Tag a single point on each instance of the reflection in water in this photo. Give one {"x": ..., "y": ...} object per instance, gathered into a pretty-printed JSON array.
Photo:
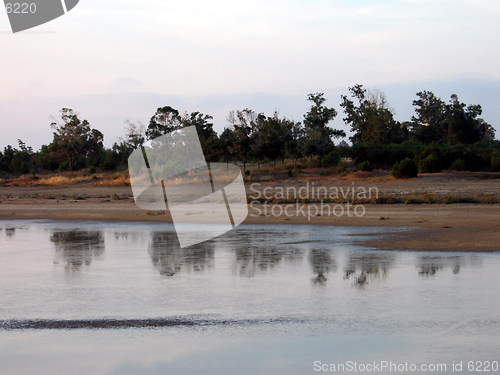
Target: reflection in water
[
  {"x": 429, "y": 265},
  {"x": 9, "y": 231},
  {"x": 369, "y": 265},
  {"x": 279, "y": 313},
  {"x": 77, "y": 247},
  {"x": 322, "y": 262},
  {"x": 168, "y": 257},
  {"x": 257, "y": 252},
  {"x": 129, "y": 237}
]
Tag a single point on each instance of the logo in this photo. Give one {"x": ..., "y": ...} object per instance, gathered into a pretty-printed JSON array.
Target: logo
[
  {"x": 27, "y": 14},
  {"x": 204, "y": 200}
]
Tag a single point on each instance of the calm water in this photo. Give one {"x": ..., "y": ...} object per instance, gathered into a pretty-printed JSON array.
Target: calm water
[{"x": 104, "y": 298}]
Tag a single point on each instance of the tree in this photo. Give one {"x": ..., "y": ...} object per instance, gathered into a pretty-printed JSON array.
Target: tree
[
  {"x": 293, "y": 139},
  {"x": 370, "y": 118},
  {"x": 227, "y": 142},
  {"x": 205, "y": 129},
  {"x": 134, "y": 135},
  {"x": 8, "y": 155},
  {"x": 134, "y": 138},
  {"x": 165, "y": 120},
  {"x": 463, "y": 124},
  {"x": 318, "y": 135},
  {"x": 276, "y": 137},
  {"x": 451, "y": 123},
  {"x": 75, "y": 143},
  {"x": 45, "y": 159},
  {"x": 23, "y": 147},
  {"x": 3, "y": 166},
  {"x": 269, "y": 140},
  {"x": 244, "y": 129}
]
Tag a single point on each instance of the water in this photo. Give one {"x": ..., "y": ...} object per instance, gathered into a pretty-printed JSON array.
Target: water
[{"x": 111, "y": 298}]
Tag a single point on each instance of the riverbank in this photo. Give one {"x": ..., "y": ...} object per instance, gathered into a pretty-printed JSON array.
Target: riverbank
[{"x": 431, "y": 226}]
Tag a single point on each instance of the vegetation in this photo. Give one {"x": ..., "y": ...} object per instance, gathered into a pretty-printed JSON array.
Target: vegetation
[
  {"x": 440, "y": 136},
  {"x": 405, "y": 168},
  {"x": 365, "y": 166}
]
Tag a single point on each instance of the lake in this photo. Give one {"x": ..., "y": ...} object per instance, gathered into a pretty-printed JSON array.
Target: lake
[{"x": 124, "y": 298}]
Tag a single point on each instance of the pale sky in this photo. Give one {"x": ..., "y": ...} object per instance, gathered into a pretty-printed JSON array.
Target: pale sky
[{"x": 115, "y": 60}]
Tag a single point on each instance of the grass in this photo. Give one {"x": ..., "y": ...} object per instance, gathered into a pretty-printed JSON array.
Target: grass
[
  {"x": 428, "y": 198},
  {"x": 59, "y": 181},
  {"x": 70, "y": 178},
  {"x": 121, "y": 178}
]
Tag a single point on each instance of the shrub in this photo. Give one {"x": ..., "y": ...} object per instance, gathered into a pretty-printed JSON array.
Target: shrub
[
  {"x": 385, "y": 155},
  {"x": 430, "y": 164},
  {"x": 365, "y": 166},
  {"x": 495, "y": 161},
  {"x": 459, "y": 165},
  {"x": 406, "y": 168},
  {"x": 331, "y": 159},
  {"x": 109, "y": 161}
]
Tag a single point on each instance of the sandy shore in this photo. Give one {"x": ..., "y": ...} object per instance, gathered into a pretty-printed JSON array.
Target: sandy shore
[{"x": 434, "y": 227}]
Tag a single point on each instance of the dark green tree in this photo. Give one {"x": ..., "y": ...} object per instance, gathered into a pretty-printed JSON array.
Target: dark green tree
[
  {"x": 75, "y": 143},
  {"x": 269, "y": 139},
  {"x": 318, "y": 135},
  {"x": 165, "y": 120},
  {"x": 370, "y": 118},
  {"x": 227, "y": 142},
  {"x": 463, "y": 124},
  {"x": 205, "y": 129},
  {"x": 452, "y": 123},
  {"x": 244, "y": 125}
]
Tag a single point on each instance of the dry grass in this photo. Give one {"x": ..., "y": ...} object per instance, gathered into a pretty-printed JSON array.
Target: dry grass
[
  {"x": 59, "y": 180},
  {"x": 116, "y": 181}
]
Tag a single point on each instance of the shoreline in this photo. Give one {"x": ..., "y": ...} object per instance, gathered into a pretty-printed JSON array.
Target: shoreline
[
  {"x": 435, "y": 227},
  {"x": 461, "y": 225}
]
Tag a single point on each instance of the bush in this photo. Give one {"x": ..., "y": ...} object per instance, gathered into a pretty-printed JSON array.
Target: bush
[
  {"x": 366, "y": 166},
  {"x": 108, "y": 161},
  {"x": 430, "y": 164},
  {"x": 406, "y": 168},
  {"x": 385, "y": 155},
  {"x": 331, "y": 159},
  {"x": 459, "y": 165},
  {"x": 495, "y": 161}
]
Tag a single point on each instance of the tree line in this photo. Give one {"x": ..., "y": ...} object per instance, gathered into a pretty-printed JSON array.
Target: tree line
[{"x": 441, "y": 135}]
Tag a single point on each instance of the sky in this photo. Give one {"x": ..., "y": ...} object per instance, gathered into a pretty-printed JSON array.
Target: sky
[{"x": 119, "y": 60}]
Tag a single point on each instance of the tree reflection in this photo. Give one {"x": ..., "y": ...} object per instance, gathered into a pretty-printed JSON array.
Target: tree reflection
[
  {"x": 130, "y": 237},
  {"x": 322, "y": 263},
  {"x": 169, "y": 259},
  {"x": 363, "y": 267},
  {"x": 429, "y": 265},
  {"x": 77, "y": 247},
  {"x": 256, "y": 253}
]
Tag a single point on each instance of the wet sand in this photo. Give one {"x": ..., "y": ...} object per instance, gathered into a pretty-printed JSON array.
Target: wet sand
[{"x": 432, "y": 227}]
